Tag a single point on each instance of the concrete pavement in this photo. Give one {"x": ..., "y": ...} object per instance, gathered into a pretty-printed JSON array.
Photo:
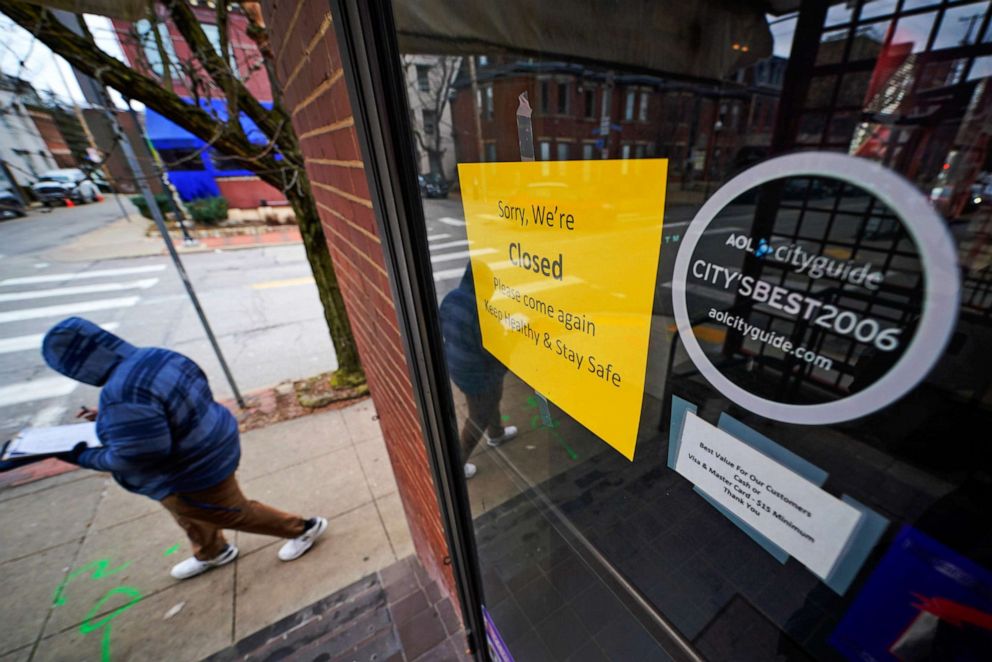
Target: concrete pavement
[{"x": 86, "y": 564}]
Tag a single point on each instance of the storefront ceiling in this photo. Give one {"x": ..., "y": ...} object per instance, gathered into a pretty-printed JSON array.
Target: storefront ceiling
[{"x": 704, "y": 39}]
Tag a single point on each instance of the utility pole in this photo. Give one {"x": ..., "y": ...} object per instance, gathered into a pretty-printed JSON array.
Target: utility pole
[
  {"x": 604, "y": 119},
  {"x": 476, "y": 107}
]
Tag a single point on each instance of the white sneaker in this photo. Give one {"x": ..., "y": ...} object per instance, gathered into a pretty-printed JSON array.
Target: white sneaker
[
  {"x": 509, "y": 432},
  {"x": 470, "y": 469},
  {"x": 193, "y": 566},
  {"x": 296, "y": 547}
]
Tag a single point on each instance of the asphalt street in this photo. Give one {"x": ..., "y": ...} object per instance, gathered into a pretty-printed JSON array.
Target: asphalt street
[{"x": 261, "y": 302}]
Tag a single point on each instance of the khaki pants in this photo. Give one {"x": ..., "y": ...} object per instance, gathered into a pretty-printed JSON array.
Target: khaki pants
[
  {"x": 483, "y": 416},
  {"x": 204, "y": 514}
]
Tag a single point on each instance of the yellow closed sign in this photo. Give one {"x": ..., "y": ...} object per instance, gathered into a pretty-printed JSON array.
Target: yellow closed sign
[{"x": 564, "y": 257}]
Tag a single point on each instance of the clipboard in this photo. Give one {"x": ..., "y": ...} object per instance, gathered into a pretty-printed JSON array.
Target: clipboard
[{"x": 38, "y": 443}]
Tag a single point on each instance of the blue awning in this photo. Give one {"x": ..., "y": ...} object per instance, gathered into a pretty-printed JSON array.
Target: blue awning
[{"x": 165, "y": 134}]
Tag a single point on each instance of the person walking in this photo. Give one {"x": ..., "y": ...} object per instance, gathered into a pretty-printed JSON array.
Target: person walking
[
  {"x": 164, "y": 437},
  {"x": 477, "y": 373}
]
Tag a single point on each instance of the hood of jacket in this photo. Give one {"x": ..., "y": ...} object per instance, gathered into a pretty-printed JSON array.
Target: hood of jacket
[{"x": 80, "y": 349}]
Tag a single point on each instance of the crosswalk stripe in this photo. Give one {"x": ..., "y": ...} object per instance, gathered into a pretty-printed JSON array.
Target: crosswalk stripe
[
  {"x": 456, "y": 222},
  {"x": 447, "y": 274},
  {"x": 80, "y": 289},
  {"x": 286, "y": 282},
  {"x": 450, "y": 244},
  {"x": 33, "y": 341},
  {"x": 68, "y": 309},
  {"x": 436, "y": 237},
  {"x": 50, "y": 415},
  {"x": 99, "y": 273},
  {"x": 462, "y": 254},
  {"x": 36, "y": 389}
]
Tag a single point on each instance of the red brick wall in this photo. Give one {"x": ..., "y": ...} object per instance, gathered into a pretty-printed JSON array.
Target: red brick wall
[
  {"x": 50, "y": 133},
  {"x": 247, "y": 192},
  {"x": 308, "y": 66}
]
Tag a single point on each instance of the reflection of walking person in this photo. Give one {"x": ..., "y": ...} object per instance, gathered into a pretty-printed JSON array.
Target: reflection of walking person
[
  {"x": 474, "y": 371},
  {"x": 166, "y": 438}
]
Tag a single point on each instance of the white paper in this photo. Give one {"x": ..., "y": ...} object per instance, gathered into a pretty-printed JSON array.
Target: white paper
[
  {"x": 804, "y": 520},
  {"x": 45, "y": 441}
]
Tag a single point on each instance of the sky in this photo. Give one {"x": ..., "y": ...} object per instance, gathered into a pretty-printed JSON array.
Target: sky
[{"x": 43, "y": 68}]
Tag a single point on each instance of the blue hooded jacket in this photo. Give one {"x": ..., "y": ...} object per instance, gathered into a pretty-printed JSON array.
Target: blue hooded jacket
[
  {"x": 162, "y": 432},
  {"x": 471, "y": 367}
]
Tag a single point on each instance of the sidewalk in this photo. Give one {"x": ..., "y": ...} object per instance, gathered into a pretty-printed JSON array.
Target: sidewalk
[
  {"x": 86, "y": 565},
  {"x": 129, "y": 237}
]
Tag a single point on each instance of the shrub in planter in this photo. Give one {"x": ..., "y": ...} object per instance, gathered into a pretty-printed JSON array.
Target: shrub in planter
[
  {"x": 162, "y": 199},
  {"x": 208, "y": 211}
]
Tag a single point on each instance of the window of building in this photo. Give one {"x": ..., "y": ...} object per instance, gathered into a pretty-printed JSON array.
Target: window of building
[
  {"x": 590, "y": 103},
  {"x": 628, "y": 106},
  {"x": 482, "y": 60},
  {"x": 587, "y": 511},
  {"x": 423, "y": 77},
  {"x": 487, "y": 104},
  {"x": 564, "y": 98},
  {"x": 489, "y": 152},
  {"x": 213, "y": 34},
  {"x": 430, "y": 121},
  {"x": 221, "y": 162},
  {"x": 150, "y": 48},
  {"x": 182, "y": 159}
]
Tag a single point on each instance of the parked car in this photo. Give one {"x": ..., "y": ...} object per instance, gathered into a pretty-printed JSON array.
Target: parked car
[
  {"x": 10, "y": 204},
  {"x": 57, "y": 186},
  {"x": 433, "y": 186},
  {"x": 101, "y": 181}
]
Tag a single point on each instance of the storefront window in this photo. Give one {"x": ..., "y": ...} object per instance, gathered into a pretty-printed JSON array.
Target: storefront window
[{"x": 716, "y": 334}]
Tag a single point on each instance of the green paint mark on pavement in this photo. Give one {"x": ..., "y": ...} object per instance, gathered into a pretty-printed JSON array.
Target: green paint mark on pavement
[
  {"x": 172, "y": 550},
  {"x": 568, "y": 449},
  {"x": 98, "y": 569},
  {"x": 88, "y": 625}
]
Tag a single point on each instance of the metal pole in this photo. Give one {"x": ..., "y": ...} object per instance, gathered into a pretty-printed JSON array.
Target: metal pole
[
  {"x": 95, "y": 91},
  {"x": 146, "y": 193},
  {"x": 174, "y": 200},
  {"x": 476, "y": 108}
]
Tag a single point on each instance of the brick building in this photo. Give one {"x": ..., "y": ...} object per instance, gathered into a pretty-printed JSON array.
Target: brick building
[
  {"x": 195, "y": 170},
  {"x": 115, "y": 165},
  {"x": 49, "y": 131},
  {"x": 585, "y": 113}
]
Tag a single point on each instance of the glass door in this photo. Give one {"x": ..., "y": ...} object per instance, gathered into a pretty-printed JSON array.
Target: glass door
[{"x": 712, "y": 280}]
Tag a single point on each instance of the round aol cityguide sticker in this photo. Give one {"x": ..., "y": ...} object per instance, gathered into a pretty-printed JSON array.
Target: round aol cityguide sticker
[{"x": 815, "y": 288}]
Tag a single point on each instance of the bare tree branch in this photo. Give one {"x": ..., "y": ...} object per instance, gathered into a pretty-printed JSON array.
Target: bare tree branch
[
  {"x": 81, "y": 54},
  {"x": 189, "y": 27}
]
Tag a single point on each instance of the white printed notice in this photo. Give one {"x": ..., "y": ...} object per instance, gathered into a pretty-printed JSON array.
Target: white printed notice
[{"x": 805, "y": 521}]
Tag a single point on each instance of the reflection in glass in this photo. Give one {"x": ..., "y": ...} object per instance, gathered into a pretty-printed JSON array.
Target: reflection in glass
[{"x": 558, "y": 515}]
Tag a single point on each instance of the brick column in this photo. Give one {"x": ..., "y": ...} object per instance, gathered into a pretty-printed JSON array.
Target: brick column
[{"x": 308, "y": 67}]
